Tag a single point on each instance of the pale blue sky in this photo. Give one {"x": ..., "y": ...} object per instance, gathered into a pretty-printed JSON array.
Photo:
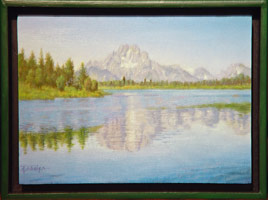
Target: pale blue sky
[{"x": 211, "y": 42}]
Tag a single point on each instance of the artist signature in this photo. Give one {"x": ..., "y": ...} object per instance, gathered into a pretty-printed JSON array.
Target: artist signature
[{"x": 35, "y": 168}]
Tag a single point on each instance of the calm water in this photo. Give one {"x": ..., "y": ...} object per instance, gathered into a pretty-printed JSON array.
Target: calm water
[{"x": 136, "y": 136}]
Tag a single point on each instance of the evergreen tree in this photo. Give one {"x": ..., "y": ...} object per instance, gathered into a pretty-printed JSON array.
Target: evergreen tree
[
  {"x": 94, "y": 86},
  {"x": 22, "y": 66},
  {"x": 58, "y": 70},
  {"x": 60, "y": 83},
  {"x": 124, "y": 80},
  {"x": 31, "y": 63},
  {"x": 41, "y": 60},
  {"x": 30, "y": 79},
  {"x": 31, "y": 66},
  {"x": 69, "y": 72},
  {"x": 82, "y": 75},
  {"x": 88, "y": 84},
  {"x": 49, "y": 71},
  {"x": 38, "y": 80}
]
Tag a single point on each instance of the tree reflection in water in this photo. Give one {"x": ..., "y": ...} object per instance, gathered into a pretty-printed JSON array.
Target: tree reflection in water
[
  {"x": 138, "y": 127},
  {"x": 54, "y": 140}
]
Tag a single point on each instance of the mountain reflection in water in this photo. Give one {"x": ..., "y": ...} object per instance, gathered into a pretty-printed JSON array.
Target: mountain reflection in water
[
  {"x": 137, "y": 128},
  {"x": 139, "y": 136}
]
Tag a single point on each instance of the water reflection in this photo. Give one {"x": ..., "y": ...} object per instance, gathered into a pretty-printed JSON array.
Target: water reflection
[
  {"x": 137, "y": 128},
  {"x": 55, "y": 140}
]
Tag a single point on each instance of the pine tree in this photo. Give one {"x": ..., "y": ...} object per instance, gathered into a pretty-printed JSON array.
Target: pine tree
[
  {"x": 88, "y": 84},
  {"x": 82, "y": 75},
  {"x": 41, "y": 60},
  {"x": 49, "y": 71},
  {"x": 124, "y": 80},
  {"x": 31, "y": 63},
  {"x": 22, "y": 66},
  {"x": 58, "y": 70},
  {"x": 60, "y": 82},
  {"x": 94, "y": 86},
  {"x": 31, "y": 66},
  {"x": 30, "y": 79},
  {"x": 69, "y": 72},
  {"x": 40, "y": 80}
]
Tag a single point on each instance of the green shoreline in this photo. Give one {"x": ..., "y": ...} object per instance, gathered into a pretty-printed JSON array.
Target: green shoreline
[
  {"x": 49, "y": 93},
  {"x": 243, "y": 108},
  {"x": 207, "y": 87}
]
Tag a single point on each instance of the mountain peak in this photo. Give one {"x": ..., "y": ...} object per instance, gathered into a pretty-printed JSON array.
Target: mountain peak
[
  {"x": 202, "y": 74},
  {"x": 238, "y": 66},
  {"x": 129, "y": 56},
  {"x": 131, "y": 62},
  {"x": 126, "y": 48},
  {"x": 236, "y": 69}
]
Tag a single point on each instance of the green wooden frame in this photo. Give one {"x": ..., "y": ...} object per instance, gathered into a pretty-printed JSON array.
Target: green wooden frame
[{"x": 5, "y": 90}]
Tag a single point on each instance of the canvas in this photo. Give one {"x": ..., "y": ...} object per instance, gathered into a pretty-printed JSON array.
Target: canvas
[{"x": 134, "y": 99}]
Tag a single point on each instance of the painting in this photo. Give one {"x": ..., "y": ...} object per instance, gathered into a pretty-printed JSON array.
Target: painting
[{"x": 134, "y": 99}]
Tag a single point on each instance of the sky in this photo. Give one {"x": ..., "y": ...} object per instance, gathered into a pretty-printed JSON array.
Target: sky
[{"x": 211, "y": 42}]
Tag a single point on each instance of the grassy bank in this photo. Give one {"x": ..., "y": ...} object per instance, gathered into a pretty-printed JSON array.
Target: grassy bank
[
  {"x": 29, "y": 93},
  {"x": 180, "y": 87},
  {"x": 243, "y": 108}
]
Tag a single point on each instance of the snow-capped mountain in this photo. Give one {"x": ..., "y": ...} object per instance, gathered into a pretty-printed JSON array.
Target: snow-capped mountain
[
  {"x": 202, "y": 74},
  {"x": 234, "y": 70},
  {"x": 134, "y": 64}
]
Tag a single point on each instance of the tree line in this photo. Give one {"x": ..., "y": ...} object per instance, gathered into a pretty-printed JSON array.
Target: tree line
[
  {"x": 43, "y": 72},
  {"x": 240, "y": 79}
]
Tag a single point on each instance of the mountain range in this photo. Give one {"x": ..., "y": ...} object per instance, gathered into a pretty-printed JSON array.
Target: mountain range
[{"x": 133, "y": 63}]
